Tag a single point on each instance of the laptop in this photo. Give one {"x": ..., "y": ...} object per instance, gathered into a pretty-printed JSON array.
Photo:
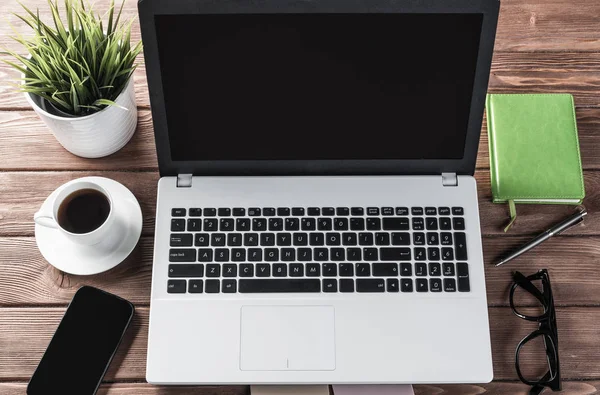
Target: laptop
[{"x": 317, "y": 217}]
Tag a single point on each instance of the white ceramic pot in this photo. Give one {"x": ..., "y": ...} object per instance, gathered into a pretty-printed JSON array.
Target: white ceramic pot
[{"x": 96, "y": 135}]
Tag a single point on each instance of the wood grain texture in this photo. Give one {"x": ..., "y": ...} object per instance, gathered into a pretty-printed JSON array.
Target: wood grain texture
[
  {"x": 22, "y": 194},
  {"x": 25, "y": 333},
  {"x": 28, "y": 280}
]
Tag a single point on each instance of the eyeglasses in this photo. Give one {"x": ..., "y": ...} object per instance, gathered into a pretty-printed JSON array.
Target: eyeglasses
[{"x": 547, "y": 330}]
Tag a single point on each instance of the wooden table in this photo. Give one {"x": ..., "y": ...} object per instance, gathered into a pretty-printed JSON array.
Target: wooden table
[{"x": 542, "y": 46}]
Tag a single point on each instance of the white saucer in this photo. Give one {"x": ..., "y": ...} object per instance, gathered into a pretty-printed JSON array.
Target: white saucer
[{"x": 79, "y": 259}]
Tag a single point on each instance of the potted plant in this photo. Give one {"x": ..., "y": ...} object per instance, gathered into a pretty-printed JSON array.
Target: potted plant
[{"x": 77, "y": 76}]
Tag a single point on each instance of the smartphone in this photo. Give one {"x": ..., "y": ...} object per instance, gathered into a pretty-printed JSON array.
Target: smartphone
[{"x": 83, "y": 345}]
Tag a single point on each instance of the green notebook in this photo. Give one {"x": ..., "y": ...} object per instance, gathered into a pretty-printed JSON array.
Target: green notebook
[{"x": 534, "y": 149}]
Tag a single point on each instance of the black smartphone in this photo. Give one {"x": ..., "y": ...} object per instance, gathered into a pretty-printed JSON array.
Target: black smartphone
[{"x": 83, "y": 345}]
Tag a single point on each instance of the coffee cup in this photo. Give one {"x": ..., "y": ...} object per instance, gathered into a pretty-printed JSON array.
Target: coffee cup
[{"x": 81, "y": 210}]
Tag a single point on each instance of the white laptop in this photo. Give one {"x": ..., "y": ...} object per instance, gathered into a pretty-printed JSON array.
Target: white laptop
[{"x": 317, "y": 217}]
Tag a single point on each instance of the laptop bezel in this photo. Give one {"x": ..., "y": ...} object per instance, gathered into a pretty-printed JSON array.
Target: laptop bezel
[{"x": 465, "y": 166}]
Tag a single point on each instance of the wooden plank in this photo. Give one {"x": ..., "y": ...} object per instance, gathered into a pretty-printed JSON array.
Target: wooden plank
[
  {"x": 25, "y": 333},
  {"x": 502, "y": 388},
  {"x": 524, "y": 25},
  {"x": 24, "y": 192},
  {"x": 26, "y": 279}
]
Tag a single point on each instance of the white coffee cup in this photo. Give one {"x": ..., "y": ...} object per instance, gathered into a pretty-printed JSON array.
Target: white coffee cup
[{"x": 48, "y": 217}]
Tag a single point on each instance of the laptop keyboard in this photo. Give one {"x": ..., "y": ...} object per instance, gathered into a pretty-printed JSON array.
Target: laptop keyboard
[{"x": 318, "y": 249}]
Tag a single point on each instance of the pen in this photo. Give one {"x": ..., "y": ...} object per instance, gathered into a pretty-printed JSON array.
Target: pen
[{"x": 556, "y": 229}]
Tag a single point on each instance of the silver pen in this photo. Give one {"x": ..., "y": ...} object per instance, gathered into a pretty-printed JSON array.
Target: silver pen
[{"x": 555, "y": 230}]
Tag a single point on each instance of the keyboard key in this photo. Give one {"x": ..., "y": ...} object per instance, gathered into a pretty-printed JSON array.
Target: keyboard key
[
  {"x": 459, "y": 223},
  {"x": 382, "y": 239},
  {"x": 186, "y": 270},
  {"x": 324, "y": 224},
  {"x": 234, "y": 239},
  {"x": 357, "y": 211},
  {"x": 210, "y": 212},
  {"x": 420, "y": 269},
  {"x": 432, "y": 239},
  {"x": 448, "y": 268},
  {"x": 422, "y": 285},
  {"x": 255, "y": 254},
  {"x": 419, "y": 238},
  {"x": 406, "y": 285},
  {"x": 228, "y": 286},
  {"x": 317, "y": 239},
  {"x": 433, "y": 254},
  {"x": 221, "y": 255},
  {"x": 292, "y": 224},
  {"x": 430, "y": 211},
  {"x": 435, "y": 285},
  {"x": 405, "y": 269},
  {"x": 462, "y": 269},
  {"x": 284, "y": 239},
  {"x": 182, "y": 255},
  {"x": 202, "y": 240},
  {"x": 431, "y": 223},
  {"x": 446, "y": 238},
  {"x": 447, "y": 254},
  {"x": 340, "y": 224},
  {"x": 418, "y": 223},
  {"x": 230, "y": 270},
  {"x": 346, "y": 285},
  {"x": 329, "y": 285},
  {"x": 304, "y": 254},
  {"x": 346, "y": 270},
  {"x": 275, "y": 224},
  {"x": 420, "y": 254},
  {"x": 387, "y": 211},
  {"x": 178, "y": 225},
  {"x": 372, "y": 210},
  {"x": 392, "y": 284},
  {"x": 269, "y": 211},
  {"x": 328, "y": 211},
  {"x": 195, "y": 212},
  {"x": 251, "y": 239},
  {"x": 354, "y": 254},
  {"x": 337, "y": 254},
  {"x": 395, "y": 254},
  {"x": 401, "y": 210},
  {"x": 300, "y": 239},
  {"x": 298, "y": 211},
  {"x": 194, "y": 225},
  {"x": 357, "y": 224},
  {"x": 238, "y": 254},
  {"x": 212, "y": 286},
  {"x": 449, "y": 285},
  {"x": 313, "y": 270},
  {"x": 313, "y": 211},
  {"x": 224, "y": 212},
  {"x": 297, "y": 270},
  {"x": 242, "y": 224},
  {"x": 434, "y": 269},
  {"x": 329, "y": 270},
  {"x": 213, "y": 270},
  {"x": 385, "y": 269},
  {"x": 463, "y": 284},
  {"x": 176, "y": 286},
  {"x": 445, "y": 223},
  {"x": 370, "y": 285},
  {"x": 321, "y": 254},
  {"x": 288, "y": 254},
  {"x": 210, "y": 225},
  {"x": 363, "y": 270},
  {"x": 400, "y": 238},
  {"x": 279, "y": 286},
  {"x": 217, "y": 239},
  {"x": 349, "y": 239},
  {"x": 396, "y": 224},
  {"x": 365, "y": 239},
  {"x": 416, "y": 210},
  {"x": 181, "y": 240},
  {"x": 342, "y": 211},
  {"x": 374, "y": 223},
  {"x": 226, "y": 225},
  {"x": 267, "y": 239},
  {"x": 259, "y": 224},
  {"x": 279, "y": 270},
  {"x": 370, "y": 254},
  {"x": 271, "y": 254},
  {"x": 283, "y": 211},
  {"x": 246, "y": 270},
  {"x": 457, "y": 211},
  {"x": 263, "y": 270},
  {"x": 254, "y": 212},
  {"x": 308, "y": 224},
  {"x": 195, "y": 286},
  {"x": 333, "y": 239},
  {"x": 239, "y": 212},
  {"x": 178, "y": 212},
  {"x": 205, "y": 254},
  {"x": 444, "y": 210},
  {"x": 460, "y": 244}
]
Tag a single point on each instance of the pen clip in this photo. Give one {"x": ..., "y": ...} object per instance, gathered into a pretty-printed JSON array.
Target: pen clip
[{"x": 579, "y": 220}]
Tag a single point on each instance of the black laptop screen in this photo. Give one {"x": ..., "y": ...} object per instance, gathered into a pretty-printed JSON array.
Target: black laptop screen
[{"x": 317, "y": 86}]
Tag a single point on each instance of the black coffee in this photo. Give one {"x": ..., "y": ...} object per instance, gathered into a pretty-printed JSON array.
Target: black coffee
[{"x": 83, "y": 211}]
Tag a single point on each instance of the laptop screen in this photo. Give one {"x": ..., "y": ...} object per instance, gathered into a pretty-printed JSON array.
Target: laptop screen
[{"x": 317, "y": 86}]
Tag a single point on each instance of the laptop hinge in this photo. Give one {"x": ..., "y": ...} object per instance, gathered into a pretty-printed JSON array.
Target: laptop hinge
[
  {"x": 184, "y": 180},
  {"x": 449, "y": 179}
]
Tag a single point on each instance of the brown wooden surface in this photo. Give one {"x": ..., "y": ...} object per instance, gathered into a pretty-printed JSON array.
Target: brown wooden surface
[{"x": 542, "y": 46}]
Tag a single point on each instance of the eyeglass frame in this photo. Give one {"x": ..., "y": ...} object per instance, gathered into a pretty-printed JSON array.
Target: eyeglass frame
[{"x": 547, "y": 329}]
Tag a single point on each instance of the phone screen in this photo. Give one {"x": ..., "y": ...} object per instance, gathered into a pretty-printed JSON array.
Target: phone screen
[{"x": 83, "y": 345}]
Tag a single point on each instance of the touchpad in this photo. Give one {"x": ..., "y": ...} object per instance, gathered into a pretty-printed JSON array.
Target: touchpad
[{"x": 287, "y": 338}]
